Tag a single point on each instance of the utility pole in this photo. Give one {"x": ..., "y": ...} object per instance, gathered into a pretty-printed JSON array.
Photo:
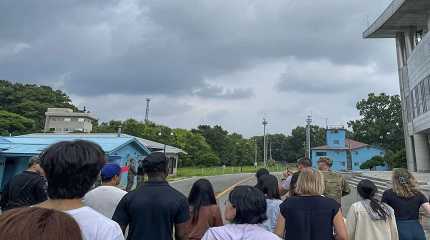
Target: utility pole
[
  {"x": 255, "y": 157},
  {"x": 264, "y": 142},
  {"x": 147, "y": 110},
  {"x": 308, "y": 136}
]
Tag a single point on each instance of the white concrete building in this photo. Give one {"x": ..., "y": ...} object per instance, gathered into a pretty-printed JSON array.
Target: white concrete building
[
  {"x": 64, "y": 120},
  {"x": 408, "y": 22}
]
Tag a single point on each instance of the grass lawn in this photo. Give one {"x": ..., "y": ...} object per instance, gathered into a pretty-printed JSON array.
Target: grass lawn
[{"x": 212, "y": 171}]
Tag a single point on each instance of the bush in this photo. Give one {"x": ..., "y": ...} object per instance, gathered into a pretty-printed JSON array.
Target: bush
[{"x": 373, "y": 162}]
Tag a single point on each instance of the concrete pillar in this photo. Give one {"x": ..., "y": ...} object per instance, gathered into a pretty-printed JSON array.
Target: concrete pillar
[
  {"x": 410, "y": 156},
  {"x": 422, "y": 152}
]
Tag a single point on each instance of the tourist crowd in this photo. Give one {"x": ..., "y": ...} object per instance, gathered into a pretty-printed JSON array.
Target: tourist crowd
[{"x": 55, "y": 199}]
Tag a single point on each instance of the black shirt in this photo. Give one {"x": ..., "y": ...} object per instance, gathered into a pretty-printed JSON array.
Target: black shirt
[
  {"x": 404, "y": 208},
  {"x": 309, "y": 217},
  {"x": 151, "y": 211},
  {"x": 293, "y": 183},
  {"x": 25, "y": 189}
]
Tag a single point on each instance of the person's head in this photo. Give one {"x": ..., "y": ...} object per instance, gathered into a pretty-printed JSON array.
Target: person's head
[
  {"x": 367, "y": 190},
  {"x": 310, "y": 182},
  {"x": 268, "y": 184},
  {"x": 111, "y": 174},
  {"x": 324, "y": 164},
  {"x": 38, "y": 224},
  {"x": 155, "y": 165},
  {"x": 131, "y": 162},
  {"x": 404, "y": 183},
  {"x": 261, "y": 172},
  {"x": 303, "y": 163},
  {"x": 247, "y": 205},
  {"x": 71, "y": 168},
  {"x": 34, "y": 165},
  {"x": 201, "y": 194}
]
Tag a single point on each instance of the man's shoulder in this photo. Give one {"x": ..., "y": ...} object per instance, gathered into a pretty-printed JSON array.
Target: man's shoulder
[{"x": 89, "y": 214}]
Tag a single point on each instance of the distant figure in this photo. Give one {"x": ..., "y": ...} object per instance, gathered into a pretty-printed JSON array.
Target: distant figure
[
  {"x": 308, "y": 215},
  {"x": 71, "y": 169},
  {"x": 261, "y": 172},
  {"x": 406, "y": 199},
  {"x": 38, "y": 224},
  {"x": 204, "y": 210},
  {"x": 335, "y": 185},
  {"x": 246, "y": 210},
  {"x": 269, "y": 186},
  {"x": 25, "y": 189},
  {"x": 105, "y": 199},
  {"x": 153, "y": 209},
  {"x": 289, "y": 184},
  {"x": 131, "y": 174},
  {"x": 370, "y": 219}
]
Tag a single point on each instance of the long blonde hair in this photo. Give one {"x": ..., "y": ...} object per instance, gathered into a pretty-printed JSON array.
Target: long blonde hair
[
  {"x": 404, "y": 183},
  {"x": 310, "y": 182}
]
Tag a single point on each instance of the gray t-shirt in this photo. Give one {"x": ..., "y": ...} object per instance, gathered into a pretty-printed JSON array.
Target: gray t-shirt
[{"x": 104, "y": 199}]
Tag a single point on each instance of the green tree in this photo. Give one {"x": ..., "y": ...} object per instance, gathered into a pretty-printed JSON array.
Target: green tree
[
  {"x": 373, "y": 162},
  {"x": 31, "y": 101},
  {"x": 380, "y": 123},
  {"x": 14, "y": 124}
]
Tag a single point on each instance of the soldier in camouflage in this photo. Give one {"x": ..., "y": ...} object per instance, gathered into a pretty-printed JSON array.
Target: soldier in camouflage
[
  {"x": 335, "y": 185},
  {"x": 131, "y": 173}
]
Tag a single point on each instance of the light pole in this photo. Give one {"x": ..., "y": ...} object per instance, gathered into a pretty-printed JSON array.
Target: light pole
[
  {"x": 308, "y": 136},
  {"x": 164, "y": 148},
  {"x": 255, "y": 157},
  {"x": 264, "y": 141}
]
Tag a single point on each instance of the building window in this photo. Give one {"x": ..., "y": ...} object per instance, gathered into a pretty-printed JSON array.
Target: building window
[
  {"x": 356, "y": 164},
  {"x": 356, "y": 152},
  {"x": 320, "y": 154},
  {"x": 67, "y": 119},
  {"x": 66, "y": 129},
  {"x": 342, "y": 164},
  {"x": 336, "y": 141}
]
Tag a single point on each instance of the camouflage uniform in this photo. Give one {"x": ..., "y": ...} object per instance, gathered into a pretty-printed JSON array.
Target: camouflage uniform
[
  {"x": 335, "y": 185},
  {"x": 130, "y": 175}
]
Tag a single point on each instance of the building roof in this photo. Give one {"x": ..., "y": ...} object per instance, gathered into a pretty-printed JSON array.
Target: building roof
[
  {"x": 399, "y": 15},
  {"x": 349, "y": 145},
  {"x": 109, "y": 140},
  {"x": 36, "y": 143}
]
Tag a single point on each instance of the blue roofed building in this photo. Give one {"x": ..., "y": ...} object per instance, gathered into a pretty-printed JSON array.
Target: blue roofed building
[
  {"x": 119, "y": 148},
  {"x": 346, "y": 154}
]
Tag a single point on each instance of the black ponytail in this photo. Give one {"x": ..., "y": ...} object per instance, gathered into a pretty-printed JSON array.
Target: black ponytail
[{"x": 367, "y": 190}]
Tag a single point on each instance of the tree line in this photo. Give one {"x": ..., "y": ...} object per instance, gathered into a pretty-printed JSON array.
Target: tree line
[{"x": 23, "y": 107}]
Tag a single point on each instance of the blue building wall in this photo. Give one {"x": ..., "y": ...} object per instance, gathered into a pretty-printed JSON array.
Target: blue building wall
[
  {"x": 11, "y": 165},
  {"x": 361, "y": 155},
  {"x": 122, "y": 155},
  {"x": 337, "y": 156},
  {"x": 337, "y": 151},
  {"x": 335, "y": 138}
]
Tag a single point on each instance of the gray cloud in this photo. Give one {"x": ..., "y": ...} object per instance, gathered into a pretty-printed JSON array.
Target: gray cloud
[
  {"x": 111, "y": 54},
  {"x": 213, "y": 91},
  {"x": 170, "y": 47}
]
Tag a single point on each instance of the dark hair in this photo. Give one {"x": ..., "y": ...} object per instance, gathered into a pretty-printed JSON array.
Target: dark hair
[
  {"x": 71, "y": 168},
  {"x": 250, "y": 205},
  {"x": 261, "y": 172},
  {"x": 33, "y": 161},
  {"x": 268, "y": 184},
  {"x": 201, "y": 194},
  {"x": 367, "y": 190},
  {"x": 305, "y": 162},
  {"x": 156, "y": 163},
  {"x": 38, "y": 224}
]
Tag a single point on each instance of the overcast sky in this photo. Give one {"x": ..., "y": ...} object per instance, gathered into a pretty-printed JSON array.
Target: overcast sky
[{"x": 227, "y": 62}]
